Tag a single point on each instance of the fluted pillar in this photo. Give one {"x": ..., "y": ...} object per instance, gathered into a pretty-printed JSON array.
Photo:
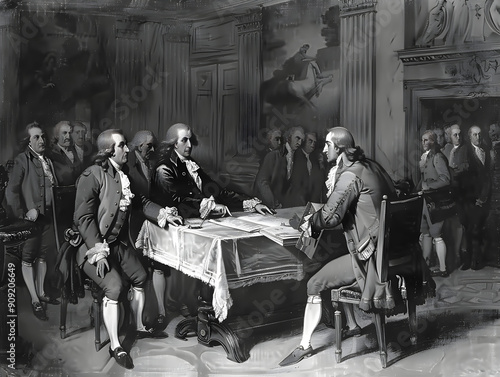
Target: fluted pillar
[
  {"x": 357, "y": 65},
  {"x": 250, "y": 77},
  {"x": 177, "y": 68},
  {"x": 10, "y": 45}
]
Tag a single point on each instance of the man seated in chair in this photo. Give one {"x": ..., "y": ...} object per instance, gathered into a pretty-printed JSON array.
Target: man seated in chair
[
  {"x": 103, "y": 204},
  {"x": 179, "y": 181},
  {"x": 355, "y": 186}
]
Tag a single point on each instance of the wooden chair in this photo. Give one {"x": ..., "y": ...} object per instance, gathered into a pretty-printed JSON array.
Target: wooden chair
[{"x": 398, "y": 257}]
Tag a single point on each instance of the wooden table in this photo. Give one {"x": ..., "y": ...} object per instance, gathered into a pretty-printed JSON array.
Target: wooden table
[{"x": 253, "y": 284}]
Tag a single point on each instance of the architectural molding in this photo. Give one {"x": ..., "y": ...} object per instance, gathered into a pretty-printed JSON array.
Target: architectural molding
[
  {"x": 249, "y": 22},
  {"x": 447, "y": 53},
  {"x": 180, "y": 33},
  {"x": 128, "y": 29},
  {"x": 351, "y": 7}
]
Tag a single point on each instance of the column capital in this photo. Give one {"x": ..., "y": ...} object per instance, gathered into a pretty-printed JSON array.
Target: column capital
[
  {"x": 249, "y": 22},
  {"x": 178, "y": 32},
  {"x": 356, "y": 6}
]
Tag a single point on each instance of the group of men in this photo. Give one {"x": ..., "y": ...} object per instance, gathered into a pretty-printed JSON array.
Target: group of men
[
  {"x": 112, "y": 199},
  {"x": 463, "y": 167},
  {"x": 292, "y": 173},
  {"x": 125, "y": 186}
]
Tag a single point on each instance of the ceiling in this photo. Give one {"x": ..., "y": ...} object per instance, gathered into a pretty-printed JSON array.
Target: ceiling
[{"x": 155, "y": 10}]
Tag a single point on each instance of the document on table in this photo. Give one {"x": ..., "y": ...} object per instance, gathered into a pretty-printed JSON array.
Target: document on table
[{"x": 238, "y": 223}]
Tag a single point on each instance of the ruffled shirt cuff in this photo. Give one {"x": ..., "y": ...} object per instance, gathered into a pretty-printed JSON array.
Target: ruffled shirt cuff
[
  {"x": 98, "y": 252},
  {"x": 249, "y": 204},
  {"x": 206, "y": 206},
  {"x": 164, "y": 214}
]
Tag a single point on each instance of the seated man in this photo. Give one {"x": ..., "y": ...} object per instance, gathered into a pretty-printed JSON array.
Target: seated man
[
  {"x": 355, "y": 189},
  {"x": 179, "y": 181},
  {"x": 102, "y": 208}
]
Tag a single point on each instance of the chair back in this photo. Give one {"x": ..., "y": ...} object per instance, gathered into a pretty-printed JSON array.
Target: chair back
[
  {"x": 64, "y": 208},
  {"x": 399, "y": 233}
]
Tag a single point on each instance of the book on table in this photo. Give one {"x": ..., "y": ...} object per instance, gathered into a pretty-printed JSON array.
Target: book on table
[{"x": 283, "y": 235}]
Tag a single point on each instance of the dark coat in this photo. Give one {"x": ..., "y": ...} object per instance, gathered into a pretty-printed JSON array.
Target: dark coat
[
  {"x": 172, "y": 185},
  {"x": 66, "y": 171},
  {"x": 355, "y": 203},
  {"x": 477, "y": 182},
  {"x": 97, "y": 207},
  {"x": 271, "y": 183},
  {"x": 26, "y": 188},
  {"x": 305, "y": 187}
]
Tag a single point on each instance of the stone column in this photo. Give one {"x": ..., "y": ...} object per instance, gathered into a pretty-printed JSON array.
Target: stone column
[
  {"x": 250, "y": 77},
  {"x": 10, "y": 47},
  {"x": 177, "y": 70},
  {"x": 357, "y": 65}
]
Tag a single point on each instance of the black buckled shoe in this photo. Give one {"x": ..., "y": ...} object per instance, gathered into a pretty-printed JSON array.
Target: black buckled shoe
[
  {"x": 348, "y": 333},
  {"x": 440, "y": 274},
  {"x": 39, "y": 311},
  {"x": 122, "y": 358},
  {"x": 298, "y": 354},
  {"x": 160, "y": 323},
  {"x": 151, "y": 334},
  {"x": 49, "y": 300}
]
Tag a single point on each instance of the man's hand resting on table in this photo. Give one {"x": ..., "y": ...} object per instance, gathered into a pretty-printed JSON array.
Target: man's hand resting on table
[
  {"x": 175, "y": 220},
  {"x": 263, "y": 209},
  {"x": 221, "y": 210}
]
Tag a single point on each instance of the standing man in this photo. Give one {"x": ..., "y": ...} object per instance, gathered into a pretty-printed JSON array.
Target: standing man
[
  {"x": 84, "y": 148},
  {"x": 273, "y": 141},
  {"x": 477, "y": 194},
  {"x": 29, "y": 195},
  {"x": 434, "y": 175},
  {"x": 307, "y": 183},
  {"x": 356, "y": 186},
  {"x": 102, "y": 209},
  {"x": 67, "y": 164},
  {"x": 273, "y": 179}
]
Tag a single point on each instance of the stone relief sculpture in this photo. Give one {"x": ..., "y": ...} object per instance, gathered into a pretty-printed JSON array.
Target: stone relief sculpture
[
  {"x": 436, "y": 24},
  {"x": 492, "y": 13},
  {"x": 459, "y": 28}
]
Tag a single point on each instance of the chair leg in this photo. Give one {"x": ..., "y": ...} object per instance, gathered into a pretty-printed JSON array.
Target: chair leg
[
  {"x": 412, "y": 319},
  {"x": 63, "y": 313},
  {"x": 338, "y": 336},
  {"x": 96, "y": 309},
  {"x": 380, "y": 328}
]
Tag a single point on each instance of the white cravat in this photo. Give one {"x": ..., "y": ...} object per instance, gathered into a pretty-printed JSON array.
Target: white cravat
[
  {"x": 45, "y": 167},
  {"x": 452, "y": 157},
  {"x": 79, "y": 152},
  {"x": 144, "y": 166},
  {"x": 480, "y": 154},
  {"x": 192, "y": 168},
  {"x": 308, "y": 163},
  {"x": 127, "y": 194},
  {"x": 330, "y": 181},
  {"x": 68, "y": 153},
  {"x": 289, "y": 161}
]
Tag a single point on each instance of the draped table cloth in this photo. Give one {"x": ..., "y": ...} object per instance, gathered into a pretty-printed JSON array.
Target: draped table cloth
[{"x": 225, "y": 258}]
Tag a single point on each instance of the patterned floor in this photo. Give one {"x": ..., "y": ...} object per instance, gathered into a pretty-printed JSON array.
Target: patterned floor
[{"x": 459, "y": 335}]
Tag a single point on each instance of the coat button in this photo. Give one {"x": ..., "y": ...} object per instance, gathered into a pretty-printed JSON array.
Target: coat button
[
  {"x": 107, "y": 226},
  {"x": 183, "y": 173},
  {"x": 116, "y": 204},
  {"x": 117, "y": 191},
  {"x": 112, "y": 215}
]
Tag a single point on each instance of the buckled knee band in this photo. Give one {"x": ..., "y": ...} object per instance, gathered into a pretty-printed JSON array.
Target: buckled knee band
[
  {"x": 159, "y": 272},
  {"x": 314, "y": 299},
  {"x": 138, "y": 289},
  {"x": 107, "y": 301},
  {"x": 437, "y": 239},
  {"x": 27, "y": 264}
]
